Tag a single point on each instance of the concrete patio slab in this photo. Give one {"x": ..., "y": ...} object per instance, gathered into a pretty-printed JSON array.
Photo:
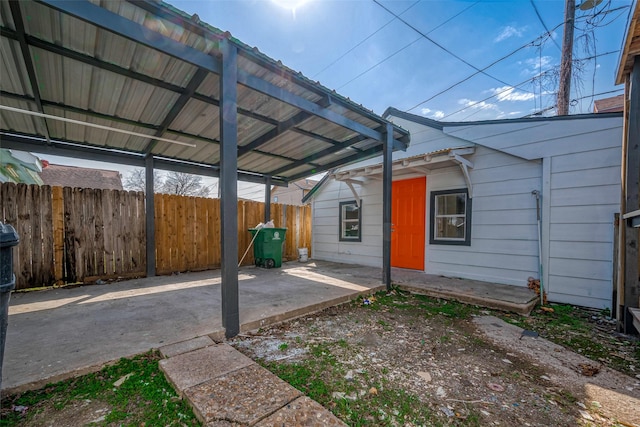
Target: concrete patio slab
[
  {"x": 58, "y": 333},
  {"x": 244, "y": 396}
]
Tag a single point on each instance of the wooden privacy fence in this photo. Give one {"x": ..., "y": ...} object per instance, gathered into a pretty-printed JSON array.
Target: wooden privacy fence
[
  {"x": 188, "y": 231},
  {"x": 82, "y": 235}
]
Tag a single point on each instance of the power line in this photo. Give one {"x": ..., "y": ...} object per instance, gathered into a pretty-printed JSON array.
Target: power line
[
  {"x": 438, "y": 44},
  {"x": 547, "y": 34},
  {"x": 535, "y": 8},
  {"x": 537, "y": 113},
  {"x": 524, "y": 82},
  {"x": 407, "y": 45},
  {"x": 363, "y": 40}
]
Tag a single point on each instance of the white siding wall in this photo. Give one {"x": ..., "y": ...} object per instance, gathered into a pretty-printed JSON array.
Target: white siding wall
[
  {"x": 580, "y": 184},
  {"x": 503, "y": 224},
  {"x": 326, "y": 245},
  {"x": 584, "y": 196}
]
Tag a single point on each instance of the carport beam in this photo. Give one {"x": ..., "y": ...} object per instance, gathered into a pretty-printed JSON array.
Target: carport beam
[
  {"x": 150, "y": 213},
  {"x": 386, "y": 204},
  {"x": 229, "y": 185}
]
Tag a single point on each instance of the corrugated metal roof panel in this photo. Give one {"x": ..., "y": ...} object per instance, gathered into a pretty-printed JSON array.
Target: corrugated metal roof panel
[
  {"x": 82, "y": 85},
  {"x": 257, "y": 102},
  {"x": 6, "y": 19},
  {"x": 300, "y": 169},
  {"x": 203, "y": 151},
  {"x": 249, "y": 129},
  {"x": 294, "y": 145},
  {"x": 198, "y": 118},
  {"x": 260, "y": 163},
  {"x": 210, "y": 86},
  {"x": 20, "y": 122},
  {"x": 327, "y": 129},
  {"x": 13, "y": 72},
  {"x": 97, "y": 137}
]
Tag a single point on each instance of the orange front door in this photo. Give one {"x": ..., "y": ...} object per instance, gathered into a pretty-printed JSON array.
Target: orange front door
[{"x": 408, "y": 202}]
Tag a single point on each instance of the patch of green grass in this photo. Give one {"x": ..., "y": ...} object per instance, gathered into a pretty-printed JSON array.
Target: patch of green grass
[
  {"x": 283, "y": 347},
  {"x": 368, "y": 398},
  {"x": 573, "y": 328},
  {"x": 146, "y": 384}
]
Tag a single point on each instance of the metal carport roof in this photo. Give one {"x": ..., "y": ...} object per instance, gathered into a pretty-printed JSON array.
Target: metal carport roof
[
  {"x": 147, "y": 68},
  {"x": 139, "y": 82}
]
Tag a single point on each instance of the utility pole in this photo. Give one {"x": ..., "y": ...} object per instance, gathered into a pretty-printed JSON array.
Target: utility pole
[{"x": 564, "y": 89}]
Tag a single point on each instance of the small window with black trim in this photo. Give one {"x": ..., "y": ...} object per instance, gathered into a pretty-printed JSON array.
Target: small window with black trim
[
  {"x": 450, "y": 217},
  {"x": 350, "y": 222}
]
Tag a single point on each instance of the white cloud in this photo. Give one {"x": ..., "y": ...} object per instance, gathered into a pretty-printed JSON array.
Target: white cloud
[
  {"x": 509, "y": 93},
  {"x": 482, "y": 105},
  {"x": 536, "y": 64},
  {"x": 436, "y": 114},
  {"x": 508, "y": 32}
]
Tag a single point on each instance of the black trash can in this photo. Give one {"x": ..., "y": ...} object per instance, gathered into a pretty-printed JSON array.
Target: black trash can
[{"x": 8, "y": 239}]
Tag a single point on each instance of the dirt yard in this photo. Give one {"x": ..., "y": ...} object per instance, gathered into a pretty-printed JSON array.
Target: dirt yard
[
  {"x": 393, "y": 359},
  {"x": 404, "y": 360}
]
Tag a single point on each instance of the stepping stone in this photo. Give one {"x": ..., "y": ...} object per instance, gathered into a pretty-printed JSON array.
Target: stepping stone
[
  {"x": 243, "y": 396},
  {"x": 199, "y": 366},
  {"x": 302, "y": 412},
  {"x": 172, "y": 350}
]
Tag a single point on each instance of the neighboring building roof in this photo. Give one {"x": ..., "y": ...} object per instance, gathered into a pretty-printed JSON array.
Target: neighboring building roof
[
  {"x": 73, "y": 176},
  {"x": 294, "y": 193},
  {"x": 630, "y": 45},
  {"x": 613, "y": 104},
  {"x": 19, "y": 167}
]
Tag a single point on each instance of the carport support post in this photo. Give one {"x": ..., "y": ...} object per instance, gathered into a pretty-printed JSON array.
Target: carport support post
[
  {"x": 387, "y": 147},
  {"x": 229, "y": 185},
  {"x": 150, "y": 214},
  {"x": 267, "y": 199}
]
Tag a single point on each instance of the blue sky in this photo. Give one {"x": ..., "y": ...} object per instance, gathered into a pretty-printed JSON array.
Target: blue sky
[{"x": 393, "y": 65}]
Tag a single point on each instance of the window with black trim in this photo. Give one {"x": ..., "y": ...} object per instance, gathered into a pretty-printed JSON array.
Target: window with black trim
[
  {"x": 450, "y": 217},
  {"x": 350, "y": 222}
]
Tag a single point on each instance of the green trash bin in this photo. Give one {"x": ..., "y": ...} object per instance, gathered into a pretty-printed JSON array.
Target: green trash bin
[{"x": 267, "y": 247}]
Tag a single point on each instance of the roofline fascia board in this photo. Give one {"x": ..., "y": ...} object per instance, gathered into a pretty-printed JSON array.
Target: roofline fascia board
[
  {"x": 626, "y": 43},
  {"x": 317, "y": 187},
  {"x": 112, "y": 22},
  {"x": 440, "y": 125},
  {"x": 18, "y": 21},
  {"x": 74, "y": 150},
  {"x": 422, "y": 162}
]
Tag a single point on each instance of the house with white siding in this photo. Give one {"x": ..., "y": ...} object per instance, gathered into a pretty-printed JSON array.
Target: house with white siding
[{"x": 497, "y": 201}]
